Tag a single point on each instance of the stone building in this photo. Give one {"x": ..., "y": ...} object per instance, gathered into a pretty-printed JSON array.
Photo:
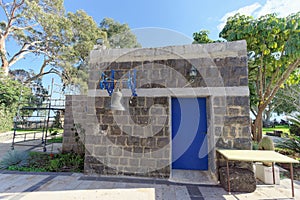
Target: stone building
[{"x": 190, "y": 100}]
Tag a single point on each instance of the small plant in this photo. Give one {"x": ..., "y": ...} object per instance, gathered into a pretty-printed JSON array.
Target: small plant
[
  {"x": 41, "y": 162},
  {"x": 254, "y": 145},
  {"x": 14, "y": 158},
  {"x": 295, "y": 130},
  {"x": 66, "y": 162},
  {"x": 79, "y": 135},
  {"x": 266, "y": 143},
  {"x": 54, "y": 165},
  {"x": 295, "y": 126},
  {"x": 293, "y": 144}
]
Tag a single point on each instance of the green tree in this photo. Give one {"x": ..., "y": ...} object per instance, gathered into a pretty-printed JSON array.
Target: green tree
[
  {"x": 273, "y": 44},
  {"x": 119, "y": 35},
  {"x": 290, "y": 98},
  {"x": 11, "y": 99},
  {"x": 43, "y": 28},
  {"x": 202, "y": 37}
]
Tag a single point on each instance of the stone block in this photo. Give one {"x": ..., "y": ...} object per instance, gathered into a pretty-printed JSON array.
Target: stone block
[
  {"x": 241, "y": 180},
  {"x": 243, "y": 81},
  {"x": 124, "y": 161},
  {"x": 241, "y": 101},
  {"x": 224, "y": 143},
  {"x": 242, "y": 143},
  {"x": 233, "y": 111},
  {"x": 161, "y": 142},
  {"x": 265, "y": 174},
  {"x": 151, "y": 163},
  {"x": 121, "y": 140},
  {"x": 138, "y": 150},
  {"x": 243, "y": 120},
  {"x": 115, "y": 130},
  {"x": 134, "y": 162},
  {"x": 219, "y": 101}
]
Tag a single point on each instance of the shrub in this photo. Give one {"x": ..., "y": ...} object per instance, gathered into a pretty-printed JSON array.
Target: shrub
[
  {"x": 14, "y": 158},
  {"x": 254, "y": 145},
  {"x": 292, "y": 144},
  {"x": 6, "y": 119},
  {"x": 295, "y": 129},
  {"x": 266, "y": 143}
]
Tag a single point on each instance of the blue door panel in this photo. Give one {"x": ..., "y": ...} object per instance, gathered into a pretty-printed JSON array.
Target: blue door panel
[{"x": 189, "y": 138}]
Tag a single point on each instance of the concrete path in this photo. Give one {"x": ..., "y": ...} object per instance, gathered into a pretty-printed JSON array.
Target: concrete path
[
  {"x": 21, "y": 185},
  {"x": 33, "y": 145},
  {"x": 18, "y": 185}
]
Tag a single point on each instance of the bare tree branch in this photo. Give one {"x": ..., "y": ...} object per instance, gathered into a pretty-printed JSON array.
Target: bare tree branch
[
  {"x": 51, "y": 71},
  {"x": 280, "y": 81},
  {"x": 25, "y": 49},
  {"x": 14, "y": 28}
]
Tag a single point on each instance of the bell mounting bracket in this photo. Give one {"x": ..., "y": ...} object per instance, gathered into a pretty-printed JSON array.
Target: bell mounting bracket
[{"x": 108, "y": 82}]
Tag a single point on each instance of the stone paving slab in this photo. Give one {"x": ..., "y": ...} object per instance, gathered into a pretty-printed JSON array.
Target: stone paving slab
[
  {"x": 103, "y": 194},
  {"x": 42, "y": 185},
  {"x": 16, "y": 185}
]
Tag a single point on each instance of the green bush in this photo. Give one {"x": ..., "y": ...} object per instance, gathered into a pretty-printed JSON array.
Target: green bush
[
  {"x": 292, "y": 144},
  {"x": 10, "y": 100},
  {"x": 266, "y": 143},
  {"x": 254, "y": 145},
  {"x": 6, "y": 119},
  {"x": 42, "y": 162},
  {"x": 295, "y": 129},
  {"x": 54, "y": 165},
  {"x": 66, "y": 162},
  {"x": 14, "y": 158}
]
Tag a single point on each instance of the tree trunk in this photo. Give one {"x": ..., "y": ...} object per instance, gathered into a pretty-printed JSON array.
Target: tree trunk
[
  {"x": 4, "y": 60},
  {"x": 5, "y": 69},
  {"x": 268, "y": 114},
  {"x": 257, "y": 126}
]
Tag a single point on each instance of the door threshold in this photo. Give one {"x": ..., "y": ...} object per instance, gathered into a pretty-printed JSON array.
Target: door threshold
[{"x": 192, "y": 177}]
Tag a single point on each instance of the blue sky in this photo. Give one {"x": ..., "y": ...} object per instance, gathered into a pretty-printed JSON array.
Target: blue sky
[{"x": 172, "y": 22}]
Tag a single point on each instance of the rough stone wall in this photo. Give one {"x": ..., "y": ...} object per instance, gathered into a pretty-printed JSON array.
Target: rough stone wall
[
  {"x": 132, "y": 142},
  {"x": 126, "y": 144},
  {"x": 174, "y": 73},
  {"x": 73, "y": 136},
  {"x": 232, "y": 121}
]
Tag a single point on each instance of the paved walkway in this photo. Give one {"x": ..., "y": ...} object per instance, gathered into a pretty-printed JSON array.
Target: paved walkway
[
  {"x": 18, "y": 185},
  {"x": 21, "y": 185}
]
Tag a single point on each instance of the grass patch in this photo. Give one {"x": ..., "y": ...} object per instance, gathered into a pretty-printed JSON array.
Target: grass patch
[
  {"x": 31, "y": 130},
  {"x": 283, "y": 128},
  {"x": 58, "y": 139}
]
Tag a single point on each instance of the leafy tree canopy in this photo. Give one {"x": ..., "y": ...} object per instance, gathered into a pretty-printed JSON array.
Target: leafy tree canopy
[
  {"x": 119, "y": 35},
  {"x": 273, "y": 44},
  {"x": 201, "y": 37},
  {"x": 43, "y": 28},
  {"x": 10, "y": 100}
]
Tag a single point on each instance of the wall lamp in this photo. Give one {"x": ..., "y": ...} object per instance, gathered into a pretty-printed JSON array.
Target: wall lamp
[{"x": 193, "y": 73}]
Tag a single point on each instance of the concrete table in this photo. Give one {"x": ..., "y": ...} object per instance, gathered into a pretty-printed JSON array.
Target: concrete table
[{"x": 257, "y": 156}]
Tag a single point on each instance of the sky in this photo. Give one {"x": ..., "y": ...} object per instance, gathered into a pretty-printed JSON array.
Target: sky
[
  {"x": 170, "y": 22},
  {"x": 173, "y": 22}
]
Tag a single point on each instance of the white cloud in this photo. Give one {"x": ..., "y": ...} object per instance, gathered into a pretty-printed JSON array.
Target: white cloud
[
  {"x": 282, "y": 7},
  {"x": 247, "y": 10}
]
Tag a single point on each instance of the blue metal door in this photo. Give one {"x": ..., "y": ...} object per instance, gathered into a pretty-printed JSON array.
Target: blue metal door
[{"x": 189, "y": 128}]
